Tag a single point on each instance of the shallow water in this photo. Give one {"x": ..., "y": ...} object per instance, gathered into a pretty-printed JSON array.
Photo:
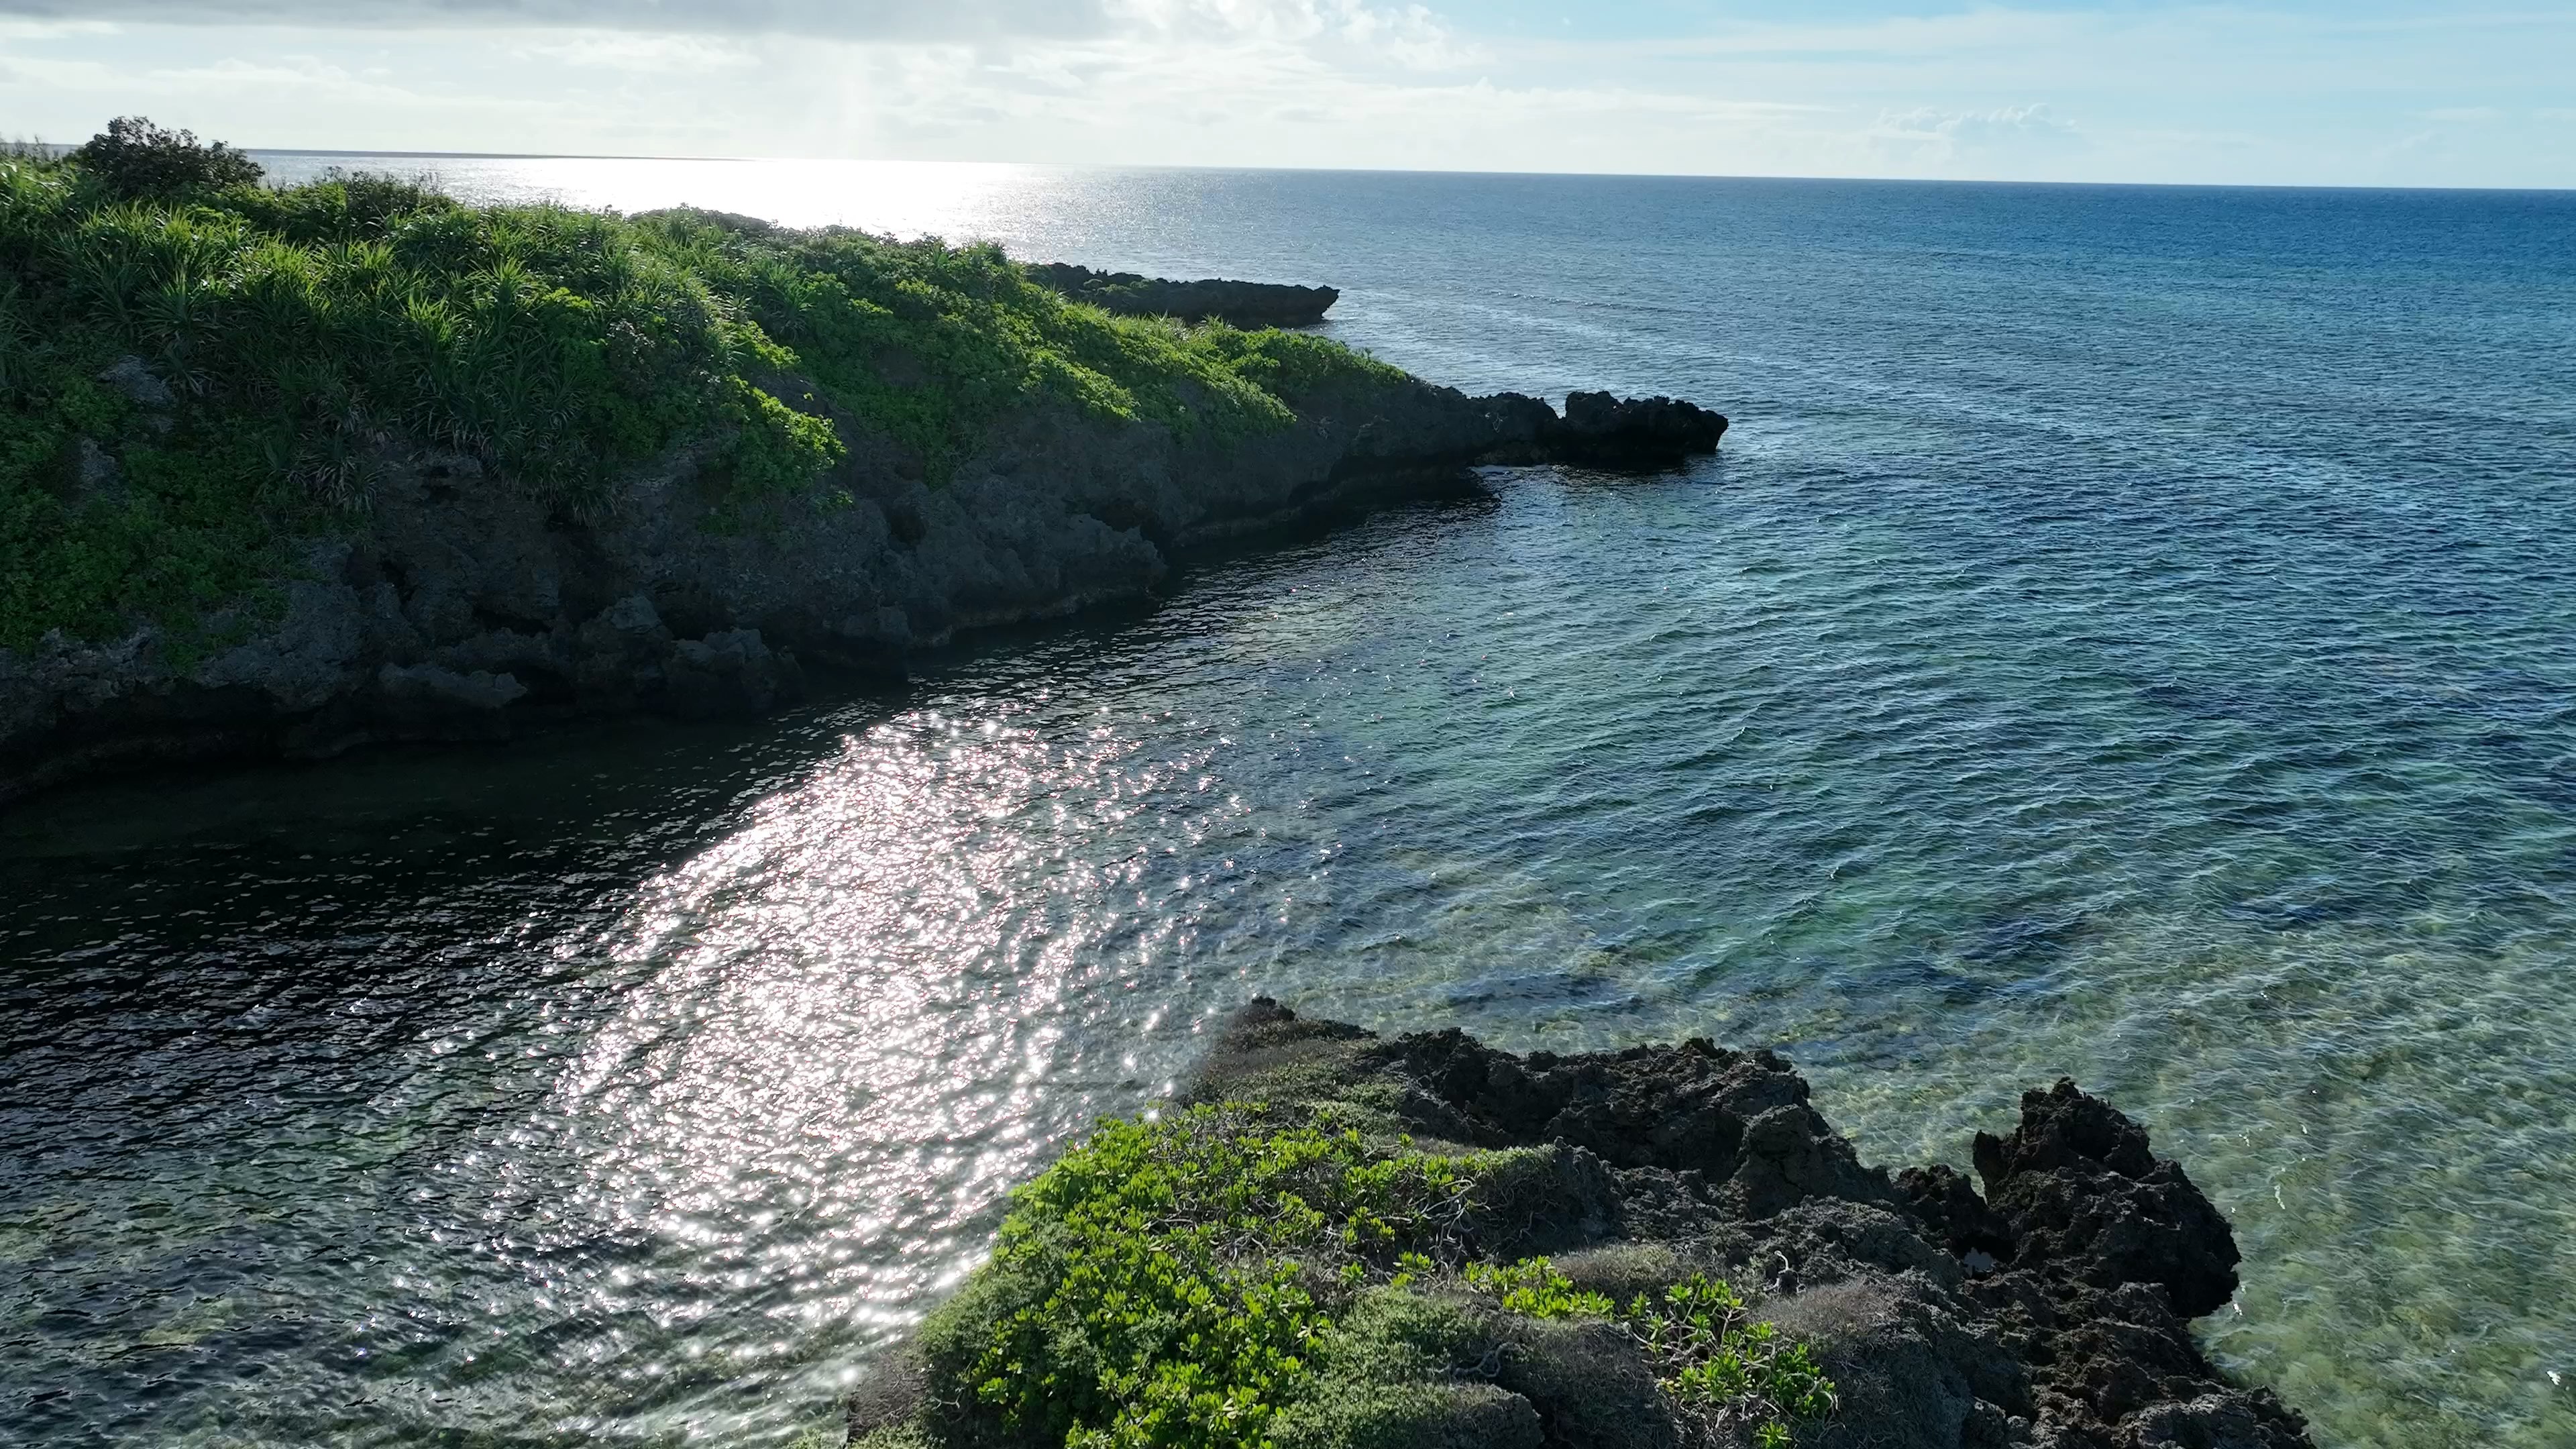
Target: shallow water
[{"x": 2128, "y": 635}]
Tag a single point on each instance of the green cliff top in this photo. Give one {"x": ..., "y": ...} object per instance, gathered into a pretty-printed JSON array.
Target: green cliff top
[{"x": 293, "y": 340}]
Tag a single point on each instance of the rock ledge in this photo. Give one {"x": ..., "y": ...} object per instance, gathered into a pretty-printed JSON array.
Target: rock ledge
[{"x": 1243, "y": 304}]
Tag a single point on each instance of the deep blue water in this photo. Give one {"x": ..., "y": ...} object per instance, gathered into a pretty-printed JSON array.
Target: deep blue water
[{"x": 2128, "y": 634}]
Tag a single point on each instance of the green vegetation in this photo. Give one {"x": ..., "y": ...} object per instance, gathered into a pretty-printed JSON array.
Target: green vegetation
[
  {"x": 309, "y": 336},
  {"x": 1166, "y": 1283},
  {"x": 1533, "y": 1286},
  {"x": 1712, "y": 1355},
  {"x": 137, "y": 160},
  {"x": 1726, "y": 1365},
  {"x": 1224, "y": 1279}
]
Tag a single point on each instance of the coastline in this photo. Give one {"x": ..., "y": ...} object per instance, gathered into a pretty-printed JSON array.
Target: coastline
[
  {"x": 458, "y": 613},
  {"x": 406, "y": 470}
]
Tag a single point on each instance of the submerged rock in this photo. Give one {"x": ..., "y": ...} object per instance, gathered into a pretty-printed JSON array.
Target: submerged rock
[
  {"x": 2053, "y": 1311},
  {"x": 1243, "y": 304}
]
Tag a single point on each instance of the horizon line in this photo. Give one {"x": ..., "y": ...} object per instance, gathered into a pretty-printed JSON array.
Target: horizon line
[{"x": 1397, "y": 171}]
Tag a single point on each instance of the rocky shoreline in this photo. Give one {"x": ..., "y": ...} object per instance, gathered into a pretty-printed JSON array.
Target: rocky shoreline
[
  {"x": 1240, "y": 304},
  {"x": 459, "y": 610},
  {"x": 2048, "y": 1305}
]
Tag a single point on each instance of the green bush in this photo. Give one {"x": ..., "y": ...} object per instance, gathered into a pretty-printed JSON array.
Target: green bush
[
  {"x": 1533, "y": 1286},
  {"x": 1166, "y": 1283},
  {"x": 1726, "y": 1365},
  {"x": 1711, "y": 1354},
  {"x": 135, "y": 158},
  {"x": 1216, "y": 1280},
  {"x": 313, "y": 333}
]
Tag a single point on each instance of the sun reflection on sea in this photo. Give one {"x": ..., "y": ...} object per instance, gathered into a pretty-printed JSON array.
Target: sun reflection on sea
[{"x": 854, "y": 1029}]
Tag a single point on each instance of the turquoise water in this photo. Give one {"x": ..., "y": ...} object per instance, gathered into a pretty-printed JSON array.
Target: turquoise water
[{"x": 2128, "y": 635}]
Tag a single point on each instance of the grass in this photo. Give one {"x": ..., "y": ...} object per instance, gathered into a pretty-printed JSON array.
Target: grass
[
  {"x": 1221, "y": 1279},
  {"x": 310, "y": 334}
]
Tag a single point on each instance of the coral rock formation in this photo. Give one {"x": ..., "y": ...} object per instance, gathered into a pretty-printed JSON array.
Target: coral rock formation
[
  {"x": 1243, "y": 304},
  {"x": 2051, "y": 1311}
]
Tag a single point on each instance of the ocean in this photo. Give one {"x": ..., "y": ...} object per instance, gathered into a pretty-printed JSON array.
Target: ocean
[{"x": 2130, "y": 633}]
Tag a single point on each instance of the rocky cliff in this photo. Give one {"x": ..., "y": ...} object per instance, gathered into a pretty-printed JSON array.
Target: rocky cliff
[
  {"x": 1243, "y": 304},
  {"x": 457, "y": 609},
  {"x": 1661, "y": 1247}
]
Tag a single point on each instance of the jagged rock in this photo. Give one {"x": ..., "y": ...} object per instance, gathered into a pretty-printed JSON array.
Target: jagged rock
[
  {"x": 94, "y": 470},
  {"x": 1606, "y": 431},
  {"x": 728, "y": 672},
  {"x": 1949, "y": 1205},
  {"x": 1600, "y": 431},
  {"x": 2081, "y": 1193},
  {"x": 1243, "y": 304},
  {"x": 434, "y": 685},
  {"x": 2052, "y": 1314},
  {"x": 632, "y": 615}
]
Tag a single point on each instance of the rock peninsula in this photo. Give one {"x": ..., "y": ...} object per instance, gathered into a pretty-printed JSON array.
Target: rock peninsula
[
  {"x": 1338, "y": 1239},
  {"x": 1242, "y": 304},
  {"x": 287, "y": 471},
  {"x": 460, "y": 610}
]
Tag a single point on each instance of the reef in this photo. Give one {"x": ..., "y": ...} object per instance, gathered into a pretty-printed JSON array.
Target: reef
[
  {"x": 1338, "y": 1239},
  {"x": 1241, "y": 304}
]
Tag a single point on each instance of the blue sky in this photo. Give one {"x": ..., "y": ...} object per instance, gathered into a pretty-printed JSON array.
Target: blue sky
[{"x": 2368, "y": 92}]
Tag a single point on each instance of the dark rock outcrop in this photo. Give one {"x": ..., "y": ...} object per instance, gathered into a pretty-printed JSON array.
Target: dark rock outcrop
[
  {"x": 1656, "y": 432},
  {"x": 1243, "y": 304},
  {"x": 462, "y": 610},
  {"x": 2080, "y": 1193},
  {"x": 1596, "y": 431},
  {"x": 2053, "y": 1311}
]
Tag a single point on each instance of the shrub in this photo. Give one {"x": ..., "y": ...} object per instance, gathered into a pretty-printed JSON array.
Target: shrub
[
  {"x": 1218, "y": 1281},
  {"x": 1167, "y": 1283},
  {"x": 134, "y": 158},
  {"x": 1533, "y": 1286},
  {"x": 1727, "y": 1366},
  {"x": 1720, "y": 1363}
]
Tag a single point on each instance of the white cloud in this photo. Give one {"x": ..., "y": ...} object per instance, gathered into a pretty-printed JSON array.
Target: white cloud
[
  {"x": 641, "y": 53},
  {"x": 2182, "y": 92},
  {"x": 1956, "y": 135},
  {"x": 856, "y": 19}
]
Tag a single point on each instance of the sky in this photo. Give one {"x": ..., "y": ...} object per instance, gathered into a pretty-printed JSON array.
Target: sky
[{"x": 2361, "y": 92}]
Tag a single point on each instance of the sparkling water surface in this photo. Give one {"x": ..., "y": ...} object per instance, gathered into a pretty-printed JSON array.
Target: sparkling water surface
[{"x": 2128, "y": 635}]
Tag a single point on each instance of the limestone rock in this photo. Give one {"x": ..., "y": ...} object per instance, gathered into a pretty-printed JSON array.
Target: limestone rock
[
  {"x": 2053, "y": 1312},
  {"x": 2079, "y": 1190},
  {"x": 1243, "y": 304},
  {"x": 435, "y": 685},
  {"x": 1653, "y": 432},
  {"x": 656, "y": 605}
]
